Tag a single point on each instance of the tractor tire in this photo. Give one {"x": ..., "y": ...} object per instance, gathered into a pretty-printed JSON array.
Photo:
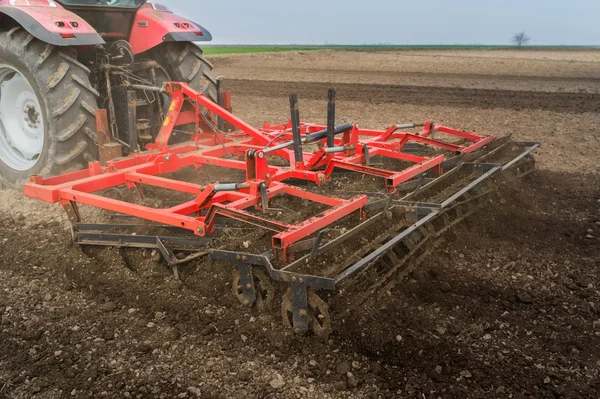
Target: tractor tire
[
  {"x": 184, "y": 62},
  {"x": 47, "y": 118}
]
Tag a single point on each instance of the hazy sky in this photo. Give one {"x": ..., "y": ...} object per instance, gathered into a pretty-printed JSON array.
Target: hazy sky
[{"x": 399, "y": 22}]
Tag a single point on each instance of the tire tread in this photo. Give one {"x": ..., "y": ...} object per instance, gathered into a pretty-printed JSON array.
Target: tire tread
[{"x": 70, "y": 103}]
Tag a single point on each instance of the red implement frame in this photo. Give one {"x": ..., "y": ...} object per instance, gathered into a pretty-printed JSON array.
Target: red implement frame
[{"x": 353, "y": 150}]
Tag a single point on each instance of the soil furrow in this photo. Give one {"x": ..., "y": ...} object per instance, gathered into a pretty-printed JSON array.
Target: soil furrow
[{"x": 422, "y": 95}]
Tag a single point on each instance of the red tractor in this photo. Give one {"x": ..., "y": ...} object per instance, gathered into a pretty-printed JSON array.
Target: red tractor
[{"x": 62, "y": 60}]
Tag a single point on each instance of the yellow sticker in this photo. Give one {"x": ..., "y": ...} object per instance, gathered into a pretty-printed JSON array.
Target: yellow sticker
[
  {"x": 166, "y": 122},
  {"x": 172, "y": 107}
]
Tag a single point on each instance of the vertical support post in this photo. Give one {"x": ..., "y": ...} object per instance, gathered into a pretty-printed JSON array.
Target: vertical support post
[
  {"x": 220, "y": 121},
  {"x": 295, "y": 114},
  {"x": 227, "y": 105},
  {"x": 166, "y": 130},
  {"x": 132, "y": 131},
  {"x": 331, "y": 118},
  {"x": 264, "y": 197},
  {"x": 107, "y": 150},
  {"x": 367, "y": 155}
]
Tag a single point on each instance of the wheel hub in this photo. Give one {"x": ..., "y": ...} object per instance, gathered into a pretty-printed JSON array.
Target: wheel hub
[{"x": 21, "y": 121}]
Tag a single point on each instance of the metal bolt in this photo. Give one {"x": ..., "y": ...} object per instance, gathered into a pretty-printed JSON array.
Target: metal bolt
[
  {"x": 244, "y": 257},
  {"x": 294, "y": 279},
  {"x": 200, "y": 230},
  {"x": 303, "y": 312},
  {"x": 300, "y": 280},
  {"x": 248, "y": 286},
  {"x": 268, "y": 175},
  {"x": 261, "y": 155},
  {"x": 246, "y": 302},
  {"x": 238, "y": 257}
]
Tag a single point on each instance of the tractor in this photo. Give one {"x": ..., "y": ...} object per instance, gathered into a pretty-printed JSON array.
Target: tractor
[{"x": 63, "y": 60}]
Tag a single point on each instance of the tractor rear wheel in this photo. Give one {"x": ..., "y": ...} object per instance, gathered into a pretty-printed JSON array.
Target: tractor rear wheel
[
  {"x": 184, "y": 62},
  {"x": 47, "y": 109}
]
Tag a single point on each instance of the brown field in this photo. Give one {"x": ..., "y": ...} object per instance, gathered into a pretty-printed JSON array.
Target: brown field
[{"x": 508, "y": 307}]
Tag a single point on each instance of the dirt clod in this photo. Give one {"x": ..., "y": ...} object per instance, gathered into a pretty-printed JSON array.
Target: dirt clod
[
  {"x": 108, "y": 307},
  {"x": 343, "y": 368},
  {"x": 277, "y": 383},
  {"x": 524, "y": 297}
]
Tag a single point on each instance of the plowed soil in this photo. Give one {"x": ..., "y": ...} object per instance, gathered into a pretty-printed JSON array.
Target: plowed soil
[{"x": 508, "y": 307}]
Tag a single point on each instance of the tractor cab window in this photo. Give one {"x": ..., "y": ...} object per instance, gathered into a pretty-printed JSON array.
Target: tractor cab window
[
  {"x": 112, "y": 19},
  {"x": 106, "y": 3}
]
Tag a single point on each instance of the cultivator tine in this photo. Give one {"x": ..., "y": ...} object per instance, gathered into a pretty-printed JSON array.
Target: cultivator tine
[
  {"x": 317, "y": 243},
  {"x": 72, "y": 211},
  {"x": 367, "y": 155},
  {"x": 264, "y": 197}
]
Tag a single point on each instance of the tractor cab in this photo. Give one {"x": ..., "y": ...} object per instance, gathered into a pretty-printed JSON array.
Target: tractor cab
[{"x": 112, "y": 19}]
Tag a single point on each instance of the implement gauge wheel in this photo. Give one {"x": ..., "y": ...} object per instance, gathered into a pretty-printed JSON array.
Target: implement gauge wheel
[
  {"x": 319, "y": 319},
  {"x": 265, "y": 292},
  {"x": 47, "y": 109}
]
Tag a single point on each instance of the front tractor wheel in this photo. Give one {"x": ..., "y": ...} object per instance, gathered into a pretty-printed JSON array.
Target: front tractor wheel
[{"x": 47, "y": 109}]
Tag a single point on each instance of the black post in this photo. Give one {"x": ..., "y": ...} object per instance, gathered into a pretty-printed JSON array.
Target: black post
[
  {"x": 331, "y": 119},
  {"x": 220, "y": 121},
  {"x": 132, "y": 130},
  {"x": 298, "y": 154}
]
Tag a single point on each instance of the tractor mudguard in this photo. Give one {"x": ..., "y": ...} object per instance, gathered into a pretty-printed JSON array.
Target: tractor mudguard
[
  {"x": 155, "y": 24},
  {"x": 50, "y": 22}
]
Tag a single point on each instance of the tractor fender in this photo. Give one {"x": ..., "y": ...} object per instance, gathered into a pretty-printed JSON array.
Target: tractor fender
[
  {"x": 155, "y": 24},
  {"x": 50, "y": 23}
]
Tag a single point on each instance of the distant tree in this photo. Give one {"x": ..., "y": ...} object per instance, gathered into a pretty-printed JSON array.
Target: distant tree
[{"x": 520, "y": 39}]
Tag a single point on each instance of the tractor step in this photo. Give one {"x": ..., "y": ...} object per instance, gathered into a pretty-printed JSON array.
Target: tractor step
[{"x": 395, "y": 192}]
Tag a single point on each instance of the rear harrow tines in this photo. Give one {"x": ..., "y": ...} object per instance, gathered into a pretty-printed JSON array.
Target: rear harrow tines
[{"x": 412, "y": 187}]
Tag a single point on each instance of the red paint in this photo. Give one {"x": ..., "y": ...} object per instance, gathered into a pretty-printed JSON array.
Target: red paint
[
  {"x": 52, "y": 16},
  {"x": 159, "y": 24}
]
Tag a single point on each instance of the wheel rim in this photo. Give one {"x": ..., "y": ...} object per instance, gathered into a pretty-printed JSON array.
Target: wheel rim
[{"x": 21, "y": 121}]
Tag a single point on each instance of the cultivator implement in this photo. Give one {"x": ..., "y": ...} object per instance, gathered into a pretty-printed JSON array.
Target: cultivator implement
[{"x": 315, "y": 207}]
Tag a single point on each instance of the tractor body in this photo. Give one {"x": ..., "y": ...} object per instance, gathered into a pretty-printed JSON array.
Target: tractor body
[
  {"x": 91, "y": 22},
  {"x": 66, "y": 59}
]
